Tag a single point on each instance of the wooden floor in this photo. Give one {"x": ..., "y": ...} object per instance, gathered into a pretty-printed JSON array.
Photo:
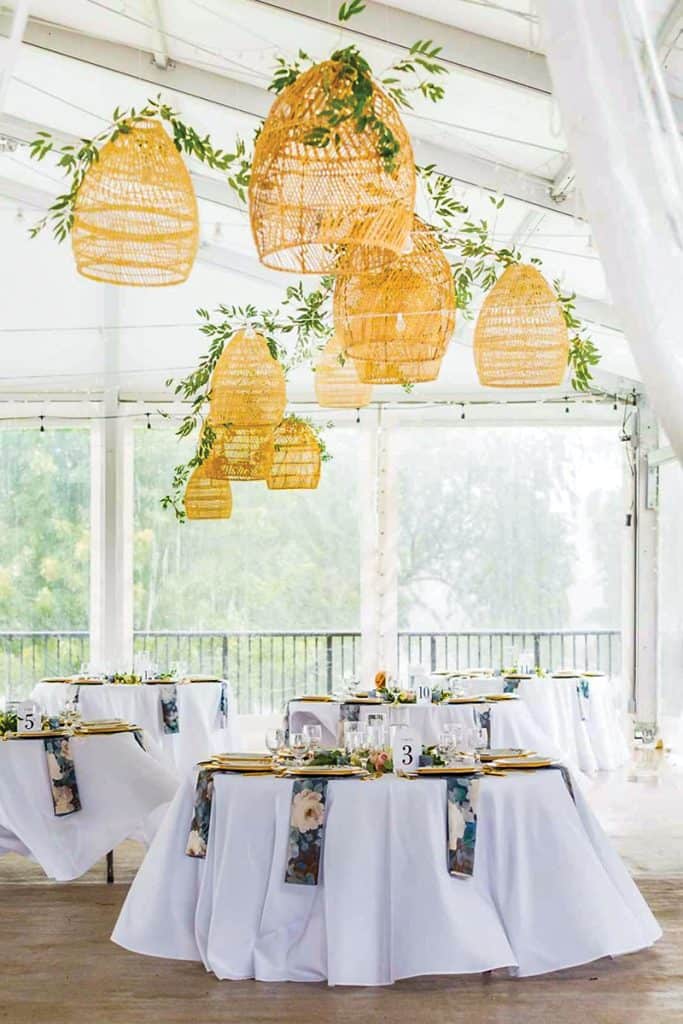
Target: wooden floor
[{"x": 58, "y": 965}]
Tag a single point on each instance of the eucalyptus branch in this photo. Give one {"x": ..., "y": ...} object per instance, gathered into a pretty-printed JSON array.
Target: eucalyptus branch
[{"x": 77, "y": 160}]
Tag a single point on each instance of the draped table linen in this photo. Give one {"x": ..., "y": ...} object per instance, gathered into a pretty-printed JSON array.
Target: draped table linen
[
  {"x": 123, "y": 792},
  {"x": 200, "y": 732},
  {"x": 547, "y": 892}
]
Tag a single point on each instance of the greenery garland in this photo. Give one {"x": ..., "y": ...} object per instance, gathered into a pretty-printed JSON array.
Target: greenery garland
[{"x": 77, "y": 160}]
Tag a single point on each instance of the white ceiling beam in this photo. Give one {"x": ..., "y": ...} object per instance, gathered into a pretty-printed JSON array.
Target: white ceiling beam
[
  {"x": 669, "y": 31},
  {"x": 564, "y": 181},
  {"x": 529, "y": 224},
  {"x": 10, "y": 44},
  {"x": 254, "y": 102},
  {"x": 159, "y": 40},
  {"x": 466, "y": 50}
]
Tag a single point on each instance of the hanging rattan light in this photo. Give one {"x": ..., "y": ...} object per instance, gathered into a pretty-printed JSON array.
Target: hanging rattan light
[
  {"x": 336, "y": 384},
  {"x": 248, "y": 385},
  {"x": 206, "y": 498},
  {"x": 521, "y": 338},
  {"x": 396, "y": 323},
  {"x": 135, "y": 215},
  {"x": 312, "y": 207},
  {"x": 243, "y": 453},
  {"x": 296, "y": 461}
]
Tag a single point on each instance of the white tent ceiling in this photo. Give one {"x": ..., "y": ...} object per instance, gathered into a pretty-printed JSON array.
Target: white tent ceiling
[{"x": 496, "y": 131}]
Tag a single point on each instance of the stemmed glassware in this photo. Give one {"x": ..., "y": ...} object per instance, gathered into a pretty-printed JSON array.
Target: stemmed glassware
[
  {"x": 298, "y": 744},
  {"x": 313, "y": 734},
  {"x": 275, "y": 741}
]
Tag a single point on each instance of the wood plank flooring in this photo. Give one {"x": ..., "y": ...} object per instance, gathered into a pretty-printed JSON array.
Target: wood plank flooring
[{"x": 57, "y": 964}]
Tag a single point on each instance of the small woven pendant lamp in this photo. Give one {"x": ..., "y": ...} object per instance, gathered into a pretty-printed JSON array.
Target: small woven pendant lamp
[
  {"x": 313, "y": 207},
  {"x": 135, "y": 215},
  {"x": 206, "y": 498},
  {"x": 244, "y": 453},
  {"x": 336, "y": 384},
  {"x": 396, "y": 323},
  {"x": 248, "y": 385},
  {"x": 296, "y": 462},
  {"x": 521, "y": 338}
]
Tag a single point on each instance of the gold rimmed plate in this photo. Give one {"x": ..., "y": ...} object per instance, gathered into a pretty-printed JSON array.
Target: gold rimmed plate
[
  {"x": 364, "y": 700},
  {"x": 522, "y": 762},
  {"x": 317, "y": 697},
  {"x": 504, "y": 752},
  {"x": 41, "y": 734},
  {"x": 465, "y": 700},
  {"x": 456, "y": 769},
  {"x": 501, "y": 696},
  {"x": 327, "y": 770}
]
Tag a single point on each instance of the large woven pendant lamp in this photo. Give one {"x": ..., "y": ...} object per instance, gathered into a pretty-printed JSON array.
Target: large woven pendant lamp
[
  {"x": 135, "y": 215},
  {"x": 206, "y": 498},
  {"x": 296, "y": 460},
  {"x": 337, "y": 385},
  {"x": 396, "y": 323},
  {"x": 247, "y": 385},
  {"x": 521, "y": 338},
  {"x": 243, "y": 453},
  {"x": 313, "y": 207}
]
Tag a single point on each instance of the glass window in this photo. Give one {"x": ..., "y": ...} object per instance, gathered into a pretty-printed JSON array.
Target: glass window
[
  {"x": 44, "y": 554},
  {"x": 286, "y": 563},
  {"x": 510, "y": 529}
]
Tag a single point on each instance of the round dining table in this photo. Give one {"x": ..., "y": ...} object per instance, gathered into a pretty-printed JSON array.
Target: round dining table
[
  {"x": 202, "y": 728},
  {"x": 547, "y": 890},
  {"x": 123, "y": 792}
]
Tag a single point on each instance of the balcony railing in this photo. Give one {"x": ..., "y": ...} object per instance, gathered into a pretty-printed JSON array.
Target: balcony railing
[{"x": 267, "y": 668}]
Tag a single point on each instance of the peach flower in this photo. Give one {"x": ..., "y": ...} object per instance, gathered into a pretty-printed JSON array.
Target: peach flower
[{"x": 308, "y": 811}]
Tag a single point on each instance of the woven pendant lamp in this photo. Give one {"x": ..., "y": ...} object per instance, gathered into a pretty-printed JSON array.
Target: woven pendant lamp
[
  {"x": 135, "y": 215},
  {"x": 521, "y": 338},
  {"x": 313, "y": 207},
  {"x": 396, "y": 323},
  {"x": 336, "y": 384},
  {"x": 243, "y": 453},
  {"x": 296, "y": 461},
  {"x": 248, "y": 385},
  {"x": 206, "y": 498}
]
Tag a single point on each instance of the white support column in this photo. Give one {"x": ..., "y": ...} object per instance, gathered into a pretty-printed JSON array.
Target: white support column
[
  {"x": 645, "y": 571},
  {"x": 387, "y": 549},
  {"x": 369, "y": 572},
  {"x": 111, "y": 573}
]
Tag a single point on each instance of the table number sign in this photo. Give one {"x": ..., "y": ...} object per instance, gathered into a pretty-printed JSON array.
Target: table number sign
[
  {"x": 423, "y": 692},
  {"x": 406, "y": 750},
  {"x": 28, "y": 717}
]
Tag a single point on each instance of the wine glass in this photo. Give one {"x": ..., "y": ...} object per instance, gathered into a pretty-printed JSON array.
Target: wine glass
[
  {"x": 275, "y": 741},
  {"x": 298, "y": 745},
  {"x": 313, "y": 735},
  {"x": 446, "y": 747}
]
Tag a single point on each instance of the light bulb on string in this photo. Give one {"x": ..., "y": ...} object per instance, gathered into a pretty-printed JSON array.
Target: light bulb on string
[
  {"x": 462, "y": 414},
  {"x": 149, "y": 424},
  {"x": 42, "y": 424}
]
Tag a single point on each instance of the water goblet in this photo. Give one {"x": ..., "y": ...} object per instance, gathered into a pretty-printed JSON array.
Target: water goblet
[
  {"x": 275, "y": 741},
  {"x": 446, "y": 747},
  {"x": 298, "y": 745},
  {"x": 313, "y": 735}
]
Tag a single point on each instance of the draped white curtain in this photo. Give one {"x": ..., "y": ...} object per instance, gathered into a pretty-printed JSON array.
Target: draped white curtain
[{"x": 629, "y": 167}]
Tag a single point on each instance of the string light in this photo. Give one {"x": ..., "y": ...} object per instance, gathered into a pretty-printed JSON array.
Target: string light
[
  {"x": 149, "y": 425},
  {"x": 42, "y": 424}
]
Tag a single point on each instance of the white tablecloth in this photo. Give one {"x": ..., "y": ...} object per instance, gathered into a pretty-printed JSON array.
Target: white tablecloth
[
  {"x": 590, "y": 732},
  {"x": 548, "y": 890},
  {"x": 198, "y": 706},
  {"x": 123, "y": 793},
  {"x": 511, "y": 723}
]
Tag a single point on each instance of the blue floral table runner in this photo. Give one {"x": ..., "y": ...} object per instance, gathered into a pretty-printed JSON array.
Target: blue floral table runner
[{"x": 62, "y": 775}]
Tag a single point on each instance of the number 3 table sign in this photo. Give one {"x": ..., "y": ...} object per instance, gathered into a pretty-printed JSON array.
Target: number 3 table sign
[
  {"x": 406, "y": 750},
  {"x": 28, "y": 717}
]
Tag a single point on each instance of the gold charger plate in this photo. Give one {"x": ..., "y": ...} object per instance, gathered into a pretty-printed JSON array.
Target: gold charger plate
[
  {"x": 42, "y": 734},
  {"x": 55, "y": 679},
  {"x": 501, "y": 696},
  {"x": 565, "y": 675},
  {"x": 594, "y": 675},
  {"x": 202, "y": 679},
  {"x": 317, "y": 697},
  {"x": 238, "y": 755},
  {"x": 503, "y": 752},
  {"x": 458, "y": 769},
  {"x": 328, "y": 770},
  {"x": 364, "y": 700},
  {"x": 522, "y": 762},
  {"x": 465, "y": 700},
  {"x": 516, "y": 675}
]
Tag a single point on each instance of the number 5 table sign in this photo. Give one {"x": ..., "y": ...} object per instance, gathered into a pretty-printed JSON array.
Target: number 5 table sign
[
  {"x": 405, "y": 751},
  {"x": 28, "y": 717}
]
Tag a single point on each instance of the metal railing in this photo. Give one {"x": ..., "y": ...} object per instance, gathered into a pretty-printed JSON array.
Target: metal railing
[{"x": 268, "y": 668}]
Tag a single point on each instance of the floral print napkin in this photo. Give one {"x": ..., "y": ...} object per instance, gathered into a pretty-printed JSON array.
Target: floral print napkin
[
  {"x": 583, "y": 694},
  {"x": 306, "y": 831},
  {"x": 62, "y": 775},
  {"x": 168, "y": 698},
  {"x": 462, "y": 793},
  {"x": 510, "y": 685},
  {"x": 484, "y": 718},
  {"x": 223, "y": 701},
  {"x": 201, "y": 817},
  {"x": 139, "y": 739}
]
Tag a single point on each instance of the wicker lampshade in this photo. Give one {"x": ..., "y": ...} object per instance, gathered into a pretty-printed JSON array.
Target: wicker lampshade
[
  {"x": 396, "y": 323},
  {"x": 135, "y": 215},
  {"x": 296, "y": 461},
  {"x": 243, "y": 453},
  {"x": 337, "y": 385},
  {"x": 311, "y": 207},
  {"x": 521, "y": 338},
  {"x": 248, "y": 385},
  {"x": 206, "y": 498}
]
